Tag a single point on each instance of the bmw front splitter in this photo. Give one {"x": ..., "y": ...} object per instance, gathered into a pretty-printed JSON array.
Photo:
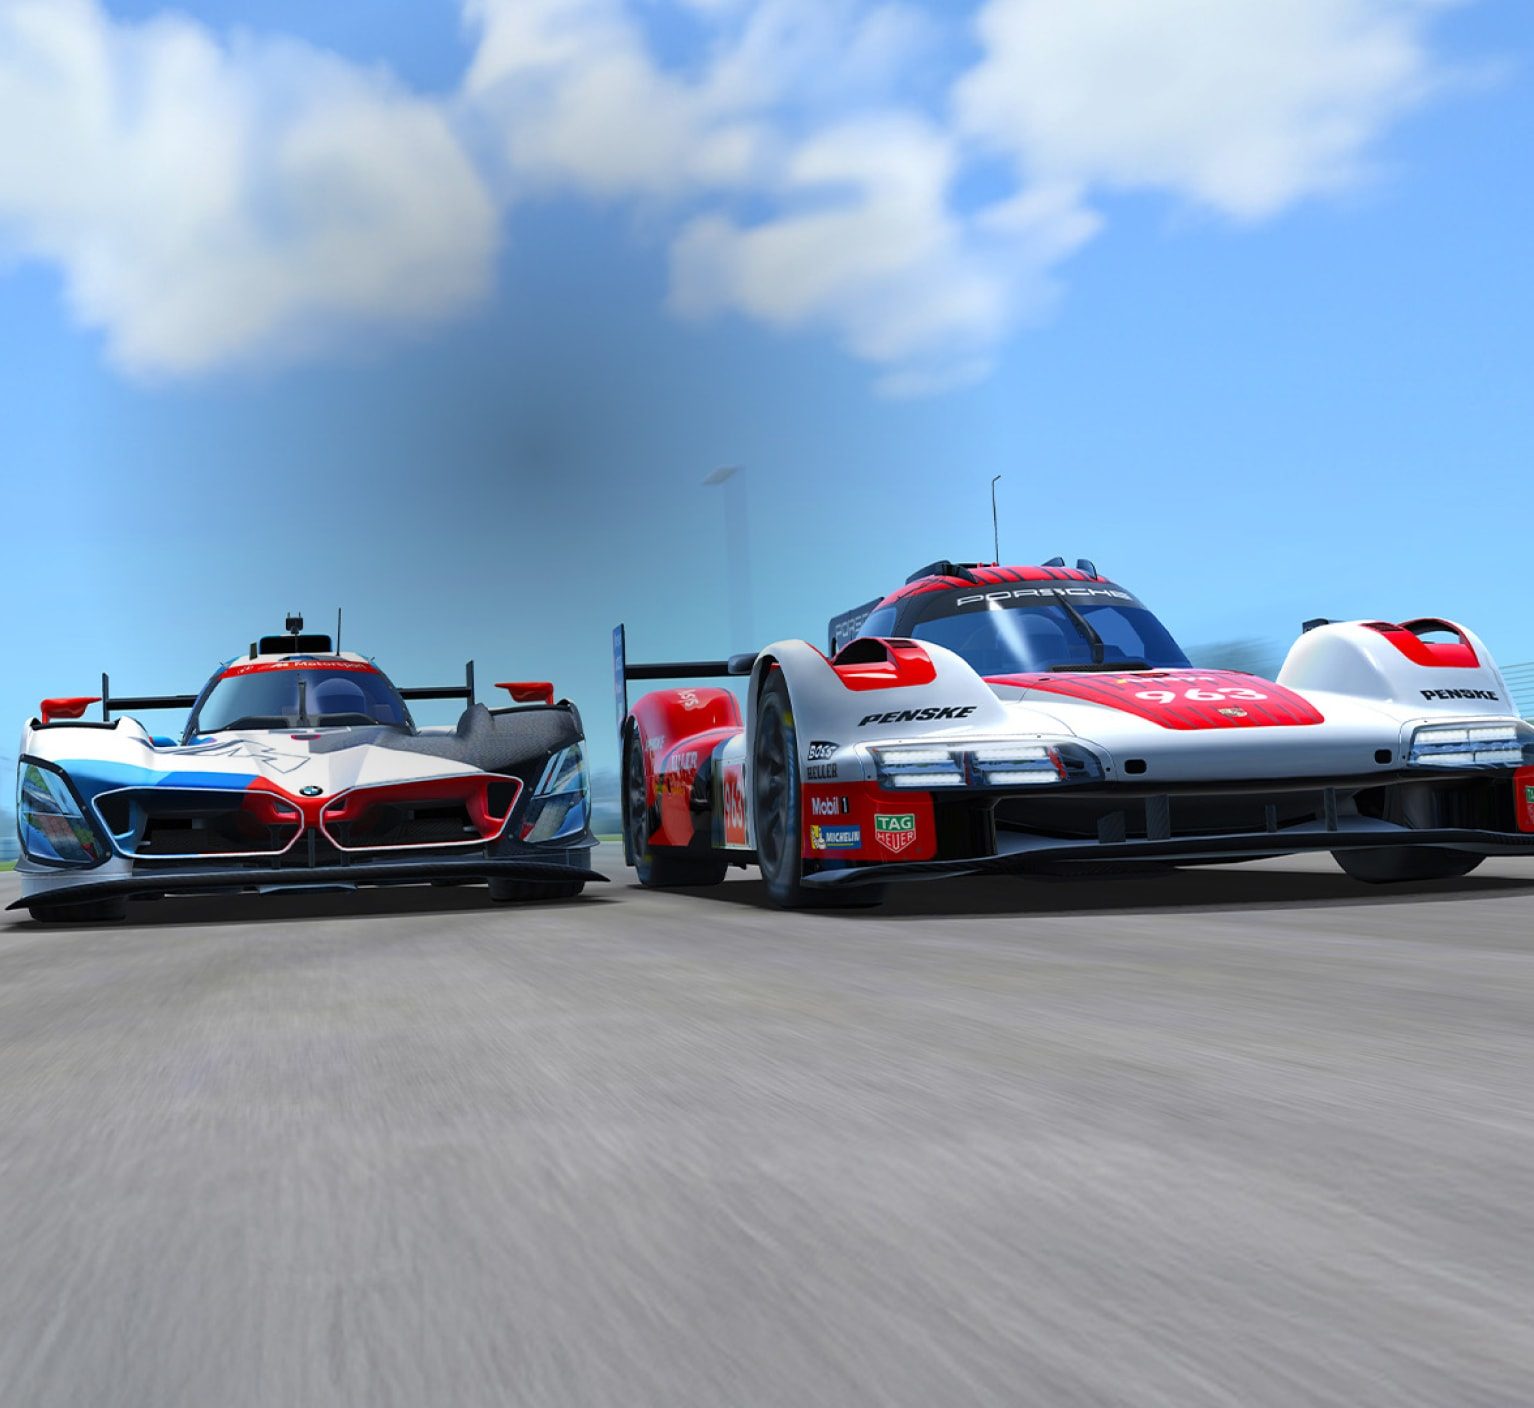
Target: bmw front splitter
[
  {"x": 271, "y": 879},
  {"x": 1041, "y": 855}
]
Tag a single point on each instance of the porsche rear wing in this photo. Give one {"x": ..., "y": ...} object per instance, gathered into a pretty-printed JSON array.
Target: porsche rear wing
[{"x": 623, "y": 671}]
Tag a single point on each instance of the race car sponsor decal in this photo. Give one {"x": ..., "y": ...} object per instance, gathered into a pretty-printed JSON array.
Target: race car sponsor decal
[
  {"x": 267, "y": 666},
  {"x": 895, "y": 831},
  {"x": 675, "y": 773},
  {"x": 1461, "y": 694},
  {"x": 255, "y": 750},
  {"x": 732, "y": 786},
  {"x": 1181, "y": 699},
  {"x": 918, "y": 716},
  {"x": 689, "y": 699},
  {"x": 886, "y": 824},
  {"x": 829, "y": 806},
  {"x": 1046, "y": 593},
  {"x": 819, "y": 768},
  {"x": 836, "y": 838},
  {"x": 1523, "y": 784}
]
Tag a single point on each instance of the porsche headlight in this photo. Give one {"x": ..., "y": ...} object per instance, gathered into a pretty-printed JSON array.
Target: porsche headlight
[
  {"x": 52, "y": 827},
  {"x": 1503, "y": 744},
  {"x": 1002, "y": 762},
  {"x": 561, "y": 803},
  {"x": 916, "y": 765}
]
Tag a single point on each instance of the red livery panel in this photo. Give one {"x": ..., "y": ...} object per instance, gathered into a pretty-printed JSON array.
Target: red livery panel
[
  {"x": 1450, "y": 655},
  {"x": 1523, "y": 799},
  {"x": 1182, "y": 699},
  {"x": 884, "y": 664},
  {"x": 860, "y": 821}
]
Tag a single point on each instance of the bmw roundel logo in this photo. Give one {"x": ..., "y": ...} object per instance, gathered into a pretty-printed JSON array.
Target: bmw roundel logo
[{"x": 310, "y": 791}]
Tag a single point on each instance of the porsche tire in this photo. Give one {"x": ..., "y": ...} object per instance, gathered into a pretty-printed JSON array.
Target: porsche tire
[
  {"x": 658, "y": 867},
  {"x": 505, "y": 891},
  {"x": 110, "y": 910},
  {"x": 1391, "y": 865},
  {"x": 777, "y": 795}
]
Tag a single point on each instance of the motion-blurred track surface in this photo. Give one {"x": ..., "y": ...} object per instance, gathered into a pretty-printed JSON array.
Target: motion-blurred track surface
[{"x": 1256, "y": 1136}]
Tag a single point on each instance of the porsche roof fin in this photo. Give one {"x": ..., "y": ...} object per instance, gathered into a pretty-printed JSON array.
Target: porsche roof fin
[{"x": 943, "y": 568}]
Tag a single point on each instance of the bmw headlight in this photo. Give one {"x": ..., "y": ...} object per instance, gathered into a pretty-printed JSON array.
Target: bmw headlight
[
  {"x": 1503, "y": 744},
  {"x": 561, "y": 803},
  {"x": 52, "y": 827}
]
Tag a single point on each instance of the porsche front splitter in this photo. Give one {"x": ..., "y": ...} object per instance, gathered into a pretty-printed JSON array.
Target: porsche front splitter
[{"x": 1025, "y": 854}]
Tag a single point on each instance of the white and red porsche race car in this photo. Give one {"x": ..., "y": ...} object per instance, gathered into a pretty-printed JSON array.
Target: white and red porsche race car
[
  {"x": 299, "y": 768},
  {"x": 988, "y": 719}
]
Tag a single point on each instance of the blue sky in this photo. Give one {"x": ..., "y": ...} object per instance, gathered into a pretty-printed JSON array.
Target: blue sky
[{"x": 442, "y": 313}]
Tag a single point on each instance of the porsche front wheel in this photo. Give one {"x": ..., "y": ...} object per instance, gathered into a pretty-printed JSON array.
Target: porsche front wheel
[{"x": 778, "y": 798}]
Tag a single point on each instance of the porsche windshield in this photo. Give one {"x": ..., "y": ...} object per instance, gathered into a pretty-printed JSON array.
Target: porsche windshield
[
  {"x": 311, "y": 696},
  {"x": 1036, "y": 629}
]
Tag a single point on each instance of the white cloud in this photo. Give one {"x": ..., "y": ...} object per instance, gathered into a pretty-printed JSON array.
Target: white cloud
[
  {"x": 812, "y": 164},
  {"x": 208, "y": 203},
  {"x": 577, "y": 102},
  {"x": 1244, "y": 105},
  {"x": 869, "y": 247}
]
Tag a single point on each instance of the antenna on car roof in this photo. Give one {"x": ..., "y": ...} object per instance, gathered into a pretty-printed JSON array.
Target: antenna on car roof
[
  {"x": 338, "y": 630},
  {"x": 995, "y": 522}
]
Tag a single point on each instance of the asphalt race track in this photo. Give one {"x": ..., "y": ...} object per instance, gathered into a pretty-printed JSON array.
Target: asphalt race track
[{"x": 1242, "y": 1137}]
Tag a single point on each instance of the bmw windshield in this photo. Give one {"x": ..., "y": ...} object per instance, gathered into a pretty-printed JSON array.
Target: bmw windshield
[
  {"x": 1029, "y": 630},
  {"x": 308, "y": 695}
]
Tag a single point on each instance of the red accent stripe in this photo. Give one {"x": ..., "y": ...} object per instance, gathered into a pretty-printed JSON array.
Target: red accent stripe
[
  {"x": 1280, "y": 707},
  {"x": 1460, "y": 655},
  {"x": 361, "y": 667}
]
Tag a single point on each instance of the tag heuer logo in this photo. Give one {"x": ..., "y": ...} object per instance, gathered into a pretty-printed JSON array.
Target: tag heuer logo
[{"x": 895, "y": 833}]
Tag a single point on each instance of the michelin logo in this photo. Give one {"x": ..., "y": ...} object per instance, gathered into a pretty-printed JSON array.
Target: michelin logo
[{"x": 836, "y": 838}]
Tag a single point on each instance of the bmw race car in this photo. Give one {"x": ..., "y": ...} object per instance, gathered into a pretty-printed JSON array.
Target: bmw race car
[
  {"x": 299, "y": 767},
  {"x": 1016, "y": 720}
]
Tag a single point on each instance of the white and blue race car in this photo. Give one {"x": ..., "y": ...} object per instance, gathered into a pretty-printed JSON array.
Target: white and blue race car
[{"x": 299, "y": 767}]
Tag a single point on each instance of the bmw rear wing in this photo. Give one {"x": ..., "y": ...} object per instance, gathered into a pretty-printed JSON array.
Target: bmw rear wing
[
  {"x": 141, "y": 703},
  {"x": 623, "y": 671},
  {"x": 464, "y": 691}
]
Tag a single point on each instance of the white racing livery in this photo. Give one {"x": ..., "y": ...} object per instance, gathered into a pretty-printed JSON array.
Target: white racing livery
[
  {"x": 988, "y": 719},
  {"x": 299, "y": 767}
]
